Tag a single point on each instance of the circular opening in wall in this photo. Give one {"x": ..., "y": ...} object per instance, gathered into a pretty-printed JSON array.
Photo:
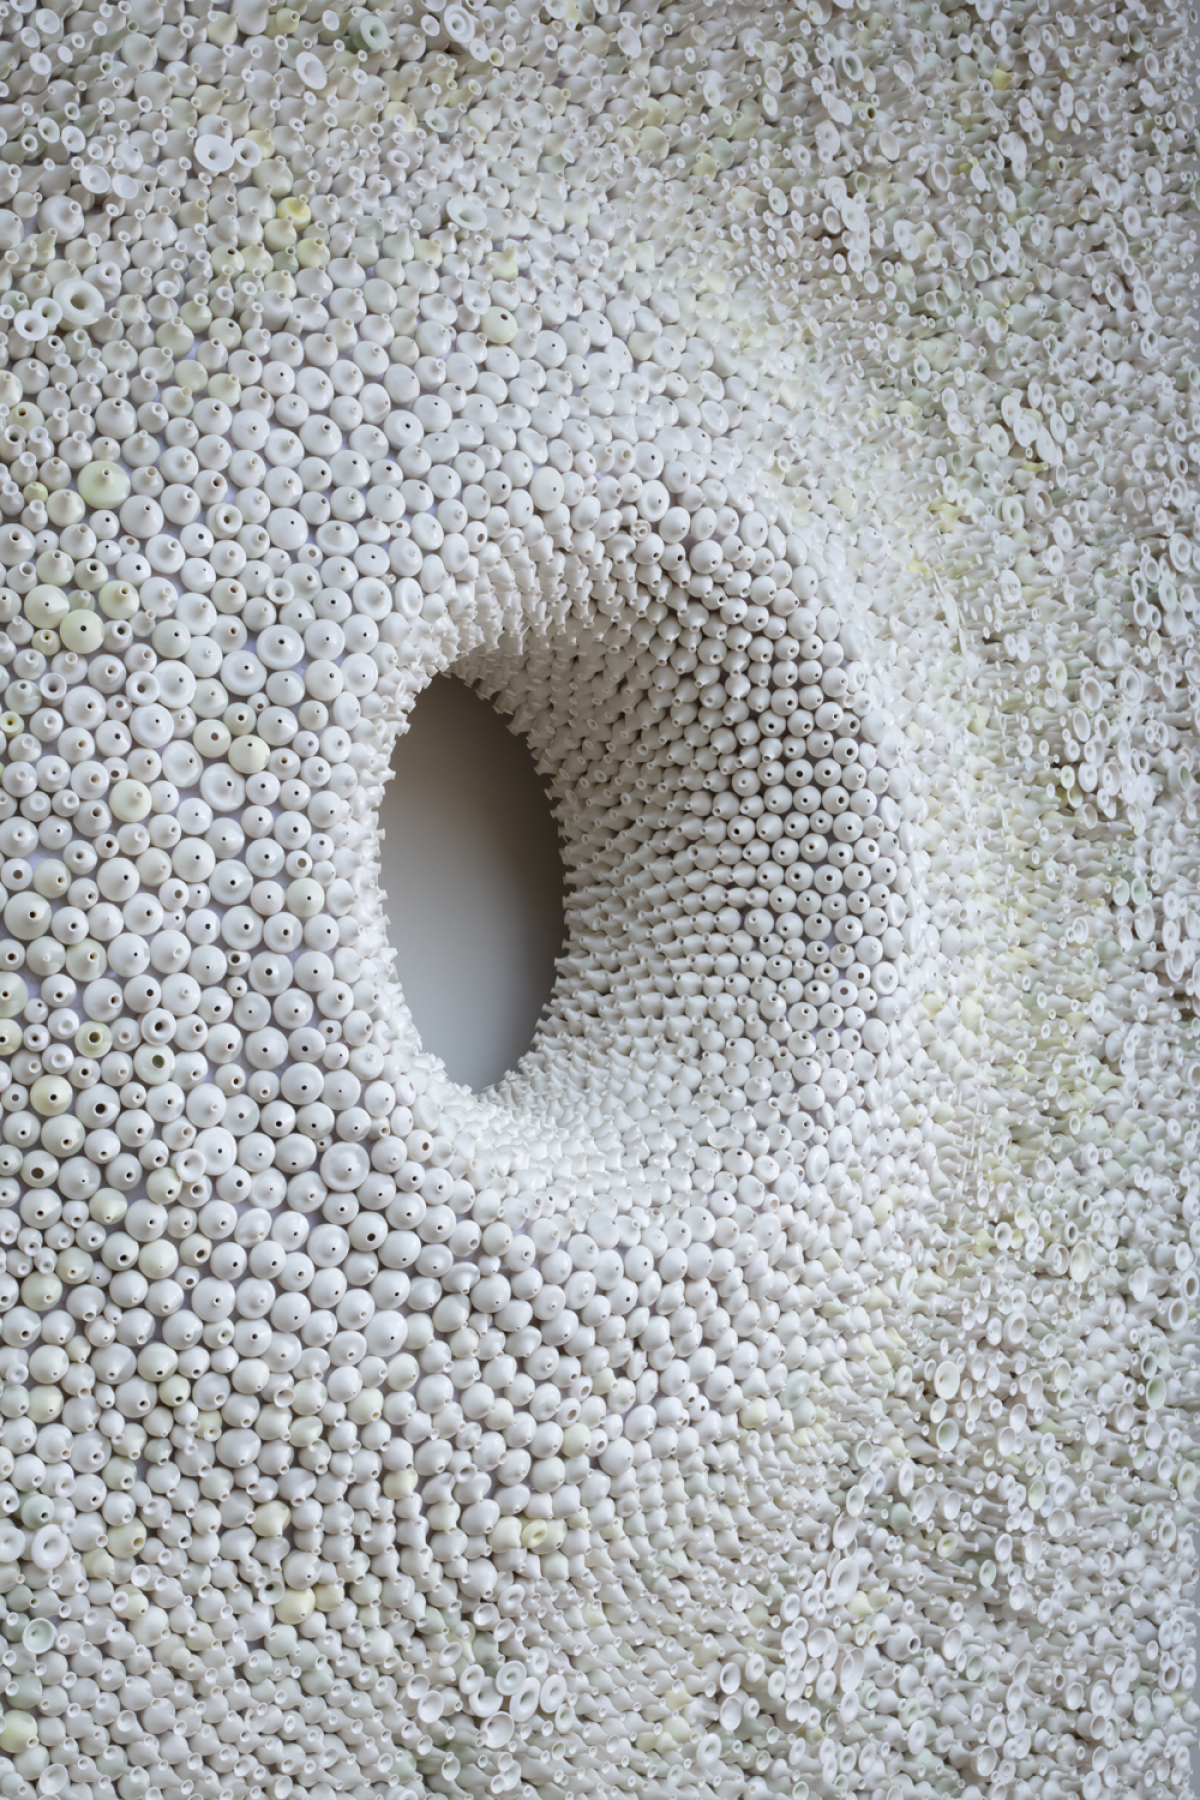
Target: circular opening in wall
[{"x": 473, "y": 879}]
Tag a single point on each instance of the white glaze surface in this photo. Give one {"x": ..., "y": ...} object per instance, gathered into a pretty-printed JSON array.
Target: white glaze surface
[{"x": 778, "y": 1384}]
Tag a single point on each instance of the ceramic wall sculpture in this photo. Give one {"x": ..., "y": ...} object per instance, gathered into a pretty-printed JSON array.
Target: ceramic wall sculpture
[{"x": 783, "y": 1383}]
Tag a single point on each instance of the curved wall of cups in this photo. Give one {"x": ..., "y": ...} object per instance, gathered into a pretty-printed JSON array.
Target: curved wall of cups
[{"x": 779, "y": 1382}]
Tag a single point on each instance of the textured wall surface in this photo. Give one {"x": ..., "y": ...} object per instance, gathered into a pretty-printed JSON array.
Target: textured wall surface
[
  {"x": 471, "y": 871},
  {"x": 782, "y": 1381}
]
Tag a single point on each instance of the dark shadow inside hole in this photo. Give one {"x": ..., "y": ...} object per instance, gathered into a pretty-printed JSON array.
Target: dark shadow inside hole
[{"x": 474, "y": 883}]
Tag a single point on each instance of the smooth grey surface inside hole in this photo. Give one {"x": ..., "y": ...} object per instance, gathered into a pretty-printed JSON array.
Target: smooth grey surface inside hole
[{"x": 474, "y": 883}]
